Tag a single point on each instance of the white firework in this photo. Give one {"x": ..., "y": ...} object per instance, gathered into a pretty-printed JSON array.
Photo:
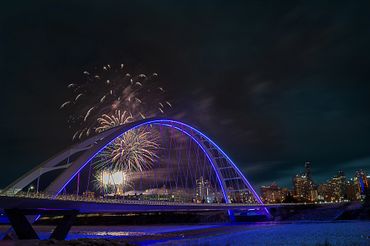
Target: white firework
[
  {"x": 134, "y": 151},
  {"x": 116, "y": 182}
]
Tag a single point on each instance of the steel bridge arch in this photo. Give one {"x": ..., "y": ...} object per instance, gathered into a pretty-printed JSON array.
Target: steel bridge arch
[{"x": 94, "y": 145}]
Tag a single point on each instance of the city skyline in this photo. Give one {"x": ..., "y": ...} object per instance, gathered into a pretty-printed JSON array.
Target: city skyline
[
  {"x": 285, "y": 178},
  {"x": 340, "y": 187}
]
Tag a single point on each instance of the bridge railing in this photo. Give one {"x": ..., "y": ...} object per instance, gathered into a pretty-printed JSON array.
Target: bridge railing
[{"x": 77, "y": 198}]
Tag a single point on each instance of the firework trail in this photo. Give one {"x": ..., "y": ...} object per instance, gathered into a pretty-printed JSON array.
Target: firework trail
[{"x": 103, "y": 91}]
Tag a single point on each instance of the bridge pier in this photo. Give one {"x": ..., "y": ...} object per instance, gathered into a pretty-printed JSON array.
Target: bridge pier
[
  {"x": 24, "y": 230},
  {"x": 20, "y": 224},
  {"x": 231, "y": 215}
]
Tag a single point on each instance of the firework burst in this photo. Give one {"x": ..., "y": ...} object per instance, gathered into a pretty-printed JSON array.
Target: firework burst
[
  {"x": 107, "y": 121},
  {"x": 103, "y": 91},
  {"x": 111, "y": 97},
  {"x": 115, "y": 182},
  {"x": 134, "y": 151}
]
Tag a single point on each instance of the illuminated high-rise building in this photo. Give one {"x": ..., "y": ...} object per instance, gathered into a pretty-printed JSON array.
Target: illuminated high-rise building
[
  {"x": 307, "y": 168},
  {"x": 304, "y": 189},
  {"x": 335, "y": 189},
  {"x": 339, "y": 186},
  {"x": 273, "y": 193},
  {"x": 351, "y": 193},
  {"x": 202, "y": 192},
  {"x": 325, "y": 192}
]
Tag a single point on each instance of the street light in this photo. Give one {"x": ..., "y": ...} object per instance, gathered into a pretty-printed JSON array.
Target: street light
[{"x": 30, "y": 188}]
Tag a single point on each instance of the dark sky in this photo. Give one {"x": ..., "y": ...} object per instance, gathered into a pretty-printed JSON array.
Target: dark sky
[{"x": 275, "y": 84}]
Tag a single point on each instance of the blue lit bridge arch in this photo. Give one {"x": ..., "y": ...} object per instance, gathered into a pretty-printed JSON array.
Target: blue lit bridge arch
[{"x": 190, "y": 168}]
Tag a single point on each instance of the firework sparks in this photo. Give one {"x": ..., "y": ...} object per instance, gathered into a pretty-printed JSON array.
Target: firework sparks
[
  {"x": 88, "y": 113},
  {"x": 64, "y": 104},
  {"x": 134, "y": 151},
  {"x": 108, "y": 121},
  {"x": 115, "y": 182},
  {"x": 110, "y": 88}
]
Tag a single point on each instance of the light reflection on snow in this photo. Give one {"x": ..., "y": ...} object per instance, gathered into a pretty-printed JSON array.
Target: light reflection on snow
[
  {"x": 114, "y": 233},
  {"x": 300, "y": 233}
]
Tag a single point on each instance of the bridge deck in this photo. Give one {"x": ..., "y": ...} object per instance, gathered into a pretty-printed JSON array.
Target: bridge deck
[{"x": 111, "y": 206}]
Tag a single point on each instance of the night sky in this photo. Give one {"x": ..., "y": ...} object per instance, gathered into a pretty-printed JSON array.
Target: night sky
[{"x": 275, "y": 84}]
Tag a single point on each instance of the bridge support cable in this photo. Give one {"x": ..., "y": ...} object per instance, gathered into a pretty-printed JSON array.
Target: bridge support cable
[{"x": 187, "y": 161}]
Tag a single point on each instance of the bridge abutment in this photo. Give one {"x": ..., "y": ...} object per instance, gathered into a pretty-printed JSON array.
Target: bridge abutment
[{"x": 23, "y": 227}]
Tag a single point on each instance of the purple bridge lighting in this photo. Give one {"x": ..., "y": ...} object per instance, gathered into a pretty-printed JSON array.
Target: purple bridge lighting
[{"x": 185, "y": 170}]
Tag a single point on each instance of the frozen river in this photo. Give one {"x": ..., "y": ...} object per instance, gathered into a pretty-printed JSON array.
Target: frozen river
[
  {"x": 302, "y": 233},
  {"x": 340, "y": 233}
]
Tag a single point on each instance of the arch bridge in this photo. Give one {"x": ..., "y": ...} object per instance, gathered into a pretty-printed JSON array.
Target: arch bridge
[{"x": 186, "y": 167}]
